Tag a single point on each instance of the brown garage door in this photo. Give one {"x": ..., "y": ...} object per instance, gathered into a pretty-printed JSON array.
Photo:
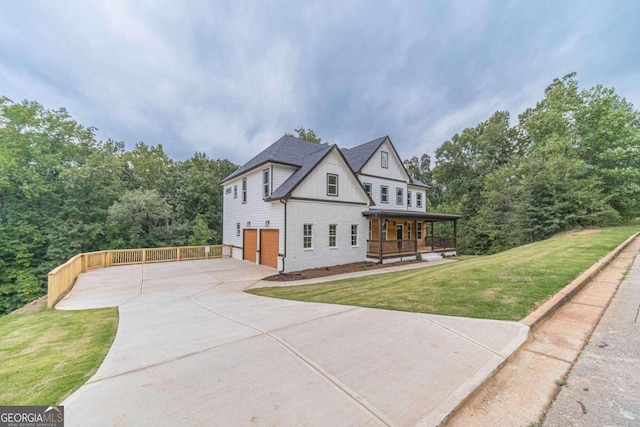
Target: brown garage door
[
  {"x": 250, "y": 244},
  {"x": 269, "y": 248}
]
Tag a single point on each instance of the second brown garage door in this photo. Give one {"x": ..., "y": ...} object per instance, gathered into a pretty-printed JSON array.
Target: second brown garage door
[
  {"x": 250, "y": 244},
  {"x": 269, "y": 244}
]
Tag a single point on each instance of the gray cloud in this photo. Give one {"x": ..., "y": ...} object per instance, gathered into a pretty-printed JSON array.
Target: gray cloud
[{"x": 229, "y": 77}]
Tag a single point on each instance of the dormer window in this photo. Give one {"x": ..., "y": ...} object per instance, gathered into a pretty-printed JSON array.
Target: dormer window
[
  {"x": 332, "y": 184},
  {"x": 384, "y": 159}
]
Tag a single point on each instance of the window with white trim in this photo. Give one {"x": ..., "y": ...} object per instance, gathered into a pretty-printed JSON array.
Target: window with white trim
[
  {"x": 367, "y": 188},
  {"x": 418, "y": 200},
  {"x": 419, "y": 230},
  {"x": 409, "y": 230},
  {"x": 408, "y": 198},
  {"x": 354, "y": 234},
  {"x": 265, "y": 184},
  {"x": 384, "y": 230},
  {"x": 333, "y": 228},
  {"x": 237, "y": 229},
  {"x": 307, "y": 236},
  {"x": 384, "y": 194},
  {"x": 399, "y": 196},
  {"x": 244, "y": 190},
  {"x": 332, "y": 184},
  {"x": 370, "y": 227},
  {"x": 384, "y": 159},
  {"x": 235, "y": 191}
]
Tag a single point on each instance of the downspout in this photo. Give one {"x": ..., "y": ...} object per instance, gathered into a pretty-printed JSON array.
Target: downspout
[{"x": 285, "y": 234}]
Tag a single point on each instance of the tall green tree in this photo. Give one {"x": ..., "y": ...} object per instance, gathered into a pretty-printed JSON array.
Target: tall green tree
[{"x": 307, "y": 135}]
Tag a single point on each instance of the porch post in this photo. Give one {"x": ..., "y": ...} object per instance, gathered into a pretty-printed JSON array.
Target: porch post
[
  {"x": 455, "y": 234},
  {"x": 433, "y": 241},
  {"x": 380, "y": 238}
]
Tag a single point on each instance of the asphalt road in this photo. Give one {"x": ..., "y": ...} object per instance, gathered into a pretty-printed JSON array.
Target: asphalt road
[{"x": 603, "y": 388}]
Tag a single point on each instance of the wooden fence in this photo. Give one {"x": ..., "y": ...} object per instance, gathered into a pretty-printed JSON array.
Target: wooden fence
[{"x": 62, "y": 278}]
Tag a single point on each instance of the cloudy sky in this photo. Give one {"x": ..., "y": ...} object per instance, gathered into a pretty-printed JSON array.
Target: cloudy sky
[{"x": 228, "y": 78}]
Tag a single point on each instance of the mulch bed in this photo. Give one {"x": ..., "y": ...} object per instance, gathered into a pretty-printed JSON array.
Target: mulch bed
[{"x": 330, "y": 271}]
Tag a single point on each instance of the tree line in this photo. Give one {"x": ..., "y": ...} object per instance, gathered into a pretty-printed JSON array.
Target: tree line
[
  {"x": 571, "y": 161},
  {"x": 62, "y": 192}
]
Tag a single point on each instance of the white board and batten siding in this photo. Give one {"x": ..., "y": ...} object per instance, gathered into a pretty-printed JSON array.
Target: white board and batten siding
[
  {"x": 314, "y": 186},
  {"x": 310, "y": 204},
  {"x": 255, "y": 213},
  {"x": 395, "y": 169}
]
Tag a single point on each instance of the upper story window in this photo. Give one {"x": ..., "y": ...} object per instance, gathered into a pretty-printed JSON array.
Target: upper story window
[
  {"x": 418, "y": 200},
  {"x": 307, "y": 236},
  {"x": 265, "y": 184},
  {"x": 235, "y": 191},
  {"x": 384, "y": 194},
  {"x": 332, "y": 184},
  {"x": 384, "y": 159},
  {"x": 408, "y": 198},
  {"x": 244, "y": 190},
  {"x": 333, "y": 231},
  {"x": 399, "y": 196},
  {"x": 367, "y": 188}
]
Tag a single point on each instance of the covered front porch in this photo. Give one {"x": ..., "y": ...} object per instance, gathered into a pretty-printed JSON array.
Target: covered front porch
[{"x": 401, "y": 233}]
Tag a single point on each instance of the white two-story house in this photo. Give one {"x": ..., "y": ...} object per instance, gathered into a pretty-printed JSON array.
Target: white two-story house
[{"x": 300, "y": 205}]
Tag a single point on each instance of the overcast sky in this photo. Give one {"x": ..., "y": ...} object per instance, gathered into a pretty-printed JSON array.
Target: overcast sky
[{"x": 228, "y": 78}]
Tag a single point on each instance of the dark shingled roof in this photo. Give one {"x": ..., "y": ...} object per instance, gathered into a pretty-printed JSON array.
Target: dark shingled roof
[
  {"x": 419, "y": 183},
  {"x": 310, "y": 162},
  {"x": 358, "y": 156},
  {"x": 305, "y": 156},
  {"x": 287, "y": 150}
]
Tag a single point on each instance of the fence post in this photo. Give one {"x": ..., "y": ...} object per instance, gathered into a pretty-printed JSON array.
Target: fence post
[
  {"x": 144, "y": 256},
  {"x": 178, "y": 253}
]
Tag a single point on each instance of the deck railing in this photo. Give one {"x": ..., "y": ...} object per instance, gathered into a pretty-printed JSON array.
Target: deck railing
[
  {"x": 62, "y": 278},
  {"x": 392, "y": 247}
]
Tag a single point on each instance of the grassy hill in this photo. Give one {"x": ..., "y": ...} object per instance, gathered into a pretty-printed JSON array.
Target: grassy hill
[{"x": 505, "y": 286}]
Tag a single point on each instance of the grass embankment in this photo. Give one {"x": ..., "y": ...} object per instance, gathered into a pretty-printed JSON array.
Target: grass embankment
[
  {"x": 505, "y": 286},
  {"x": 47, "y": 354}
]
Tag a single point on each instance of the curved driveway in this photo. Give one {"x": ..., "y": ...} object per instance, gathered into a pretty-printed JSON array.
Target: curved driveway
[{"x": 193, "y": 349}]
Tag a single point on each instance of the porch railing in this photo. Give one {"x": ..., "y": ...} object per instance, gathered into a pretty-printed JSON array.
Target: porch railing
[
  {"x": 441, "y": 243},
  {"x": 392, "y": 246},
  {"x": 62, "y": 278}
]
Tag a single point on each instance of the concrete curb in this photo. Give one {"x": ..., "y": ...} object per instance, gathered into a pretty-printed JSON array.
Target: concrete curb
[
  {"x": 545, "y": 310},
  {"x": 560, "y": 298}
]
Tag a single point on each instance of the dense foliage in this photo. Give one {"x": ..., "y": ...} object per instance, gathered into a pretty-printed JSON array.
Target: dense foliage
[
  {"x": 62, "y": 192},
  {"x": 571, "y": 161}
]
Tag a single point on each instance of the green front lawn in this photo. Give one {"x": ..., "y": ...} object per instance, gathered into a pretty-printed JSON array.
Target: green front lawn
[
  {"x": 47, "y": 354},
  {"x": 505, "y": 286}
]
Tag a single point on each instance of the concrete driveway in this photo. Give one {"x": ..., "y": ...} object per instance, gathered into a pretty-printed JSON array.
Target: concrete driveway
[{"x": 193, "y": 349}]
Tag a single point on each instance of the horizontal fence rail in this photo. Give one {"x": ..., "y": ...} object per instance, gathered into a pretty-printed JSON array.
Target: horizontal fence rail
[{"x": 62, "y": 278}]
